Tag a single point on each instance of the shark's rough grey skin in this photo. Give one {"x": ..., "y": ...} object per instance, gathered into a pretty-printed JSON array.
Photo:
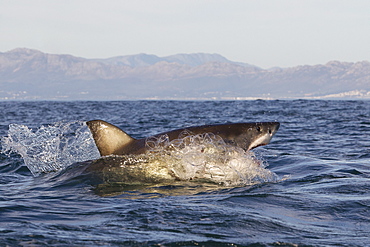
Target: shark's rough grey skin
[{"x": 112, "y": 140}]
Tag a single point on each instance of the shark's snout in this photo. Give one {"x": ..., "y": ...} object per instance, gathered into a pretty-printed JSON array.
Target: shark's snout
[{"x": 274, "y": 128}]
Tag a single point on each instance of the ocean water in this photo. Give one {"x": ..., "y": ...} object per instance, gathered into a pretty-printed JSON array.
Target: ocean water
[{"x": 309, "y": 187}]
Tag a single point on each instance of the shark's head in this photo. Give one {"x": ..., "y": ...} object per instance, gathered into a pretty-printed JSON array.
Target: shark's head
[
  {"x": 252, "y": 135},
  {"x": 244, "y": 135}
]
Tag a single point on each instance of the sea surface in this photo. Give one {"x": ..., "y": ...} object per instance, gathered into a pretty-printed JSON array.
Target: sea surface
[{"x": 309, "y": 187}]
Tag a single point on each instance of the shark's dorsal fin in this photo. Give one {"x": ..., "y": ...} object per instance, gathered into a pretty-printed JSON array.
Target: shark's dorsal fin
[{"x": 108, "y": 138}]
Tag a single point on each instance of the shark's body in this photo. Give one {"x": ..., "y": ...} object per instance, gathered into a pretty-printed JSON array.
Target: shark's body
[{"x": 112, "y": 140}]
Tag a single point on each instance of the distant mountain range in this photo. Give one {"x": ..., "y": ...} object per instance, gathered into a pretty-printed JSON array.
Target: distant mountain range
[{"x": 27, "y": 74}]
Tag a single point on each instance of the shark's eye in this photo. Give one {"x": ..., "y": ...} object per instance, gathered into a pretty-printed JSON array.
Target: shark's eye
[{"x": 258, "y": 128}]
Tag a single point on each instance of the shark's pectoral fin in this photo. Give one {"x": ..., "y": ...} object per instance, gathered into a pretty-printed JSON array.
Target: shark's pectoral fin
[{"x": 109, "y": 138}]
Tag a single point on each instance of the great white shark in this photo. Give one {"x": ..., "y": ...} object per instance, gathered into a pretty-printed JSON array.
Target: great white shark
[{"x": 111, "y": 140}]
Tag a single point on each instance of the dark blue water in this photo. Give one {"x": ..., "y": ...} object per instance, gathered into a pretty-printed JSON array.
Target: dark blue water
[{"x": 319, "y": 197}]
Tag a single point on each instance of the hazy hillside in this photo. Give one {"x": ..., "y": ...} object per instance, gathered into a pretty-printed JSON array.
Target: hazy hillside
[
  {"x": 141, "y": 60},
  {"x": 30, "y": 74}
]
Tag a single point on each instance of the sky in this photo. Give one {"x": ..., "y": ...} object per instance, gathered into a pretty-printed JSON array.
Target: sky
[{"x": 265, "y": 33}]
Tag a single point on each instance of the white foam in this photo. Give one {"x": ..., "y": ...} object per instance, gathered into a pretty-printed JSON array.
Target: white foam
[{"x": 207, "y": 157}]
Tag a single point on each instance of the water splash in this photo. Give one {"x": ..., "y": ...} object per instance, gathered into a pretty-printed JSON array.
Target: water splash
[
  {"x": 52, "y": 147},
  {"x": 208, "y": 157}
]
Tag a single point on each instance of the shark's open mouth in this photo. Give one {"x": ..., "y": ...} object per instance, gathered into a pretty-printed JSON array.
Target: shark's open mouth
[
  {"x": 256, "y": 146},
  {"x": 259, "y": 145}
]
